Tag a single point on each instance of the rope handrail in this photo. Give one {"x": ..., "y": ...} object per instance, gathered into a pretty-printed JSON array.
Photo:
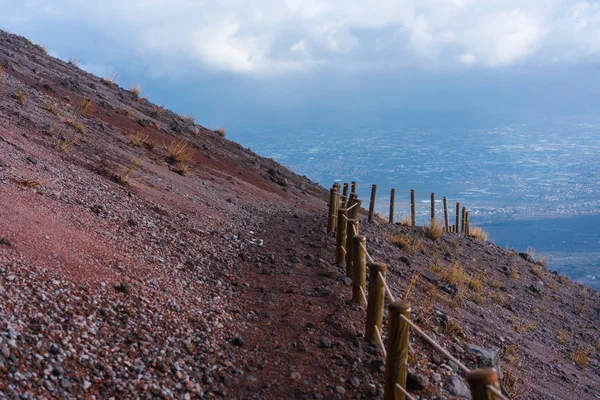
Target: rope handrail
[
  {"x": 436, "y": 345},
  {"x": 367, "y": 253},
  {"x": 378, "y": 333},
  {"x": 387, "y": 289},
  {"x": 362, "y": 293},
  {"x": 352, "y": 206},
  {"x": 408, "y": 396},
  {"x": 497, "y": 394}
]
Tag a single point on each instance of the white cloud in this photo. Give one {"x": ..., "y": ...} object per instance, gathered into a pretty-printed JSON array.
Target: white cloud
[{"x": 265, "y": 37}]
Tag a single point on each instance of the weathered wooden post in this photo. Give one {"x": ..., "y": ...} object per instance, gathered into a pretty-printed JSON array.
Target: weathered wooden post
[
  {"x": 457, "y": 226},
  {"x": 355, "y": 212},
  {"x": 359, "y": 272},
  {"x": 353, "y": 187},
  {"x": 432, "y": 208},
  {"x": 372, "y": 205},
  {"x": 479, "y": 380},
  {"x": 466, "y": 223},
  {"x": 446, "y": 220},
  {"x": 462, "y": 227},
  {"x": 392, "y": 201},
  {"x": 332, "y": 215},
  {"x": 342, "y": 224},
  {"x": 375, "y": 301},
  {"x": 345, "y": 196},
  {"x": 397, "y": 350},
  {"x": 413, "y": 209},
  {"x": 352, "y": 230}
]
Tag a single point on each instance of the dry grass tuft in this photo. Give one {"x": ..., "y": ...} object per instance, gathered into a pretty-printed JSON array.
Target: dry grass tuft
[
  {"x": 30, "y": 182},
  {"x": 508, "y": 353},
  {"x": 452, "y": 329},
  {"x": 221, "y": 132},
  {"x": 498, "y": 298},
  {"x": 189, "y": 118},
  {"x": 21, "y": 96},
  {"x": 411, "y": 284},
  {"x": 406, "y": 220},
  {"x": 64, "y": 144},
  {"x": 522, "y": 326},
  {"x": 140, "y": 139},
  {"x": 478, "y": 233},
  {"x": 78, "y": 126},
  {"x": 158, "y": 110},
  {"x": 41, "y": 47},
  {"x": 476, "y": 283},
  {"x": 53, "y": 109},
  {"x": 87, "y": 108},
  {"x": 513, "y": 272},
  {"x": 561, "y": 337},
  {"x": 181, "y": 154},
  {"x": 112, "y": 79},
  {"x": 74, "y": 62},
  {"x": 136, "y": 90},
  {"x": 579, "y": 309},
  {"x": 537, "y": 271},
  {"x": 434, "y": 231},
  {"x": 581, "y": 357},
  {"x": 511, "y": 383},
  {"x": 542, "y": 261},
  {"x": 455, "y": 274},
  {"x": 410, "y": 245},
  {"x": 124, "y": 176},
  {"x": 476, "y": 298}
]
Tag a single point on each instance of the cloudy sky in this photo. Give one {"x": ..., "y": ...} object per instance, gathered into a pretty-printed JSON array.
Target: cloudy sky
[{"x": 234, "y": 60}]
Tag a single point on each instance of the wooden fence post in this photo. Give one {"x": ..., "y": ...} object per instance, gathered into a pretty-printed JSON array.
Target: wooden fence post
[
  {"x": 354, "y": 213},
  {"x": 466, "y": 223},
  {"x": 372, "y": 205},
  {"x": 462, "y": 227},
  {"x": 432, "y": 208},
  {"x": 413, "y": 209},
  {"x": 375, "y": 301},
  {"x": 342, "y": 224},
  {"x": 359, "y": 272},
  {"x": 345, "y": 196},
  {"x": 392, "y": 201},
  {"x": 332, "y": 215},
  {"x": 350, "y": 229},
  {"x": 479, "y": 380},
  {"x": 446, "y": 220},
  {"x": 457, "y": 226},
  {"x": 397, "y": 350},
  {"x": 353, "y": 190}
]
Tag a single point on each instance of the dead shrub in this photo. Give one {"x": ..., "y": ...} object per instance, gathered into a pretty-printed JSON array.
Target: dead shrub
[
  {"x": 407, "y": 243},
  {"x": 87, "y": 108},
  {"x": 221, "y": 132},
  {"x": 478, "y": 233},
  {"x": 434, "y": 231},
  {"x": 136, "y": 90}
]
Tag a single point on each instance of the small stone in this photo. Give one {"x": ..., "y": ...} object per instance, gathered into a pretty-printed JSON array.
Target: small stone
[
  {"x": 54, "y": 348},
  {"x": 5, "y": 242},
  {"x": 5, "y": 351},
  {"x": 86, "y": 385},
  {"x": 340, "y": 390},
  {"x": 251, "y": 378},
  {"x": 295, "y": 376},
  {"x": 354, "y": 382},
  {"x": 458, "y": 388},
  {"x": 65, "y": 384},
  {"x": 347, "y": 281},
  {"x": 32, "y": 160},
  {"x": 238, "y": 341},
  {"x": 325, "y": 343},
  {"x": 416, "y": 381}
]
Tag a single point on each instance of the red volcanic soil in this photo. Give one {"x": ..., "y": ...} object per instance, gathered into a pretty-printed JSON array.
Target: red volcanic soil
[{"x": 121, "y": 277}]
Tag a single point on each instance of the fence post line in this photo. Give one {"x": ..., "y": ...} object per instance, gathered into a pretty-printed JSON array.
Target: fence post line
[
  {"x": 457, "y": 226},
  {"x": 332, "y": 215},
  {"x": 353, "y": 190},
  {"x": 462, "y": 227},
  {"x": 392, "y": 201},
  {"x": 345, "y": 196},
  {"x": 432, "y": 208},
  {"x": 372, "y": 205},
  {"x": 478, "y": 381},
  {"x": 375, "y": 301},
  {"x": 355, "y": 212},
  {"x": 446, "y": 219},
  {"x": 359, "y": 272},
  {"x": 413, "y": 209},
  {"x": 340, "y": 255},
  {"x": 352, "y": 223},
  {"x": 397, "y": 350}
]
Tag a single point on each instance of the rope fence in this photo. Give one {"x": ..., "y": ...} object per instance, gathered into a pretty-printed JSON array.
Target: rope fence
[{"x": 351, "y": 251}]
